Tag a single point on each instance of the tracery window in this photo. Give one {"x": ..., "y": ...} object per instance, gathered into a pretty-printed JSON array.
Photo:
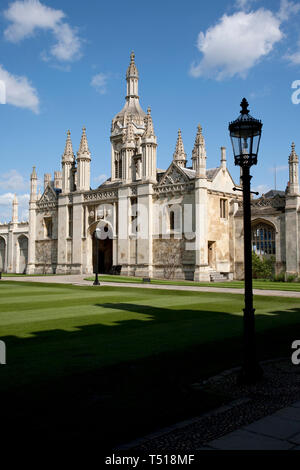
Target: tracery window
[
  {"x": 118, "y": 166},
  {"x": 263, "y": 239}
]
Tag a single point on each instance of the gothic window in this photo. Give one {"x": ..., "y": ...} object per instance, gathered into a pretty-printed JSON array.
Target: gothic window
[
  {"x": 116, "y": 169},
  {"x": 133, "y": 216},
  {"x": 70, "y": 216},
  {"x": 48, "y": 227},
  {"x": 172, "y": 220},
  {"x": 263, "y": 239},
  {"x": 223, "y": 208},
  {"x": 120, "y": 169},
  {"x": 2, "y": 254}
]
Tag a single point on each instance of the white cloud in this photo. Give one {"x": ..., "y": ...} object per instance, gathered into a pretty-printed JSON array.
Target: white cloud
[
  {"x": 29, "y": 16},
  {"x": 68, "y": 43},
  {"x": 236, "y": 43},
  {"x": 6, "y": 206},
  {"x": 244, "y": 4},
  {"x": 19, "y": 91},
  {"x": 287, "y": 9},
  {"x": 294, "y": 58},
  {"x": 13, "y": 181},
  {"x": 99, "y": 82},
  {"x": 239, "y": 41}
]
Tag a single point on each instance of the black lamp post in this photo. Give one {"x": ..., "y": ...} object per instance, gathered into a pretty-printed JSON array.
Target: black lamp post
[
  {"x": 97, "y": 238},
  {"x": 245, "y": 133}
]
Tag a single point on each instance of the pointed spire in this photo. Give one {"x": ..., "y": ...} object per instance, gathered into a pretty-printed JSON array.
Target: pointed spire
[
  {"x": 33, "y": 174},
  {"x": 68, "y": 155},
  {"x": 15, "y": 209},
  {"x": 179, "y": 155},
  {"x": 149, "y": 131},
  {"x": 83, "y": 151},
  {"x": 293, "y": 186},
  {"x": 199, "y": 154},
  {"x": 293, "y": 156},
  {"x": 199, "y": 149},
  {"x": 33, "y": 184},
  {"x": 132, "y": 70},
  {"x": 132, "y": 78}
]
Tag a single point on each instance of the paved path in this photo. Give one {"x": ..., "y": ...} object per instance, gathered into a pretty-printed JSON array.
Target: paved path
[
  {"x": 279, "y": 431},
  {"x": 78, "y": 280}
]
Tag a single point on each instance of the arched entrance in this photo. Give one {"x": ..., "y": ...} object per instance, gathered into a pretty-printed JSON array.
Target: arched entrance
[
  {"x": 2, "y": 254},
  {"x": 23, "y": 253},
  {"x": 105, "y": 250}
]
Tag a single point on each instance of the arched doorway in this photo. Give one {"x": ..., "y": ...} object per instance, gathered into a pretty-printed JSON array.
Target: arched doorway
[
  {"x": 23, "y": 253},
  {"x": 2, "y": 254},
  {"x": 105, "y": 250}
]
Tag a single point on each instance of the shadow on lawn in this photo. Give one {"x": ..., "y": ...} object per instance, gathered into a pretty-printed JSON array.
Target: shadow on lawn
[{"x": 75, "y": 393}]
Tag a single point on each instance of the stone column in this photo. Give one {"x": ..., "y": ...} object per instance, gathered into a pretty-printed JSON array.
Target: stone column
[
  {"x": 201, "y": 248},
  {"x": 77, "y": 233},
  {"x": 145, "y": 231},
  {"x": 123, "y": 230},
  {"x": 63, "y": 264},
  {"x": 292, "y": 234}
]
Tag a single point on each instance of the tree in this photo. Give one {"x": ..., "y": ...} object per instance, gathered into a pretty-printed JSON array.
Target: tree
[
  {"x": 262, "y": 267},
  {"x": 43, "y": 254},
  {"x": 170, "y": 253}
]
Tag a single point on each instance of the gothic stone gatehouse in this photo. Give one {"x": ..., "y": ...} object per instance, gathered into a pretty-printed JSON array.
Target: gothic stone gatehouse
[{"x": 62, "y": 221}]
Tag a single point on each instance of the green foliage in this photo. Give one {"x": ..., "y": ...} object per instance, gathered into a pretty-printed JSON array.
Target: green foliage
[
  {"x": 262, "y": 268},
  {"x": 280, "y": 277},
  {"x": 292, "y": 278}
]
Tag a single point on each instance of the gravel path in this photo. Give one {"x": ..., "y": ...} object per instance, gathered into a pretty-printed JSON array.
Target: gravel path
[{"x": 279, "y": 388}]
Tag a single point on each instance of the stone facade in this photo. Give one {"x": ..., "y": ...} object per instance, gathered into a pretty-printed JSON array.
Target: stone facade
[{"x": 183, "y": 222}]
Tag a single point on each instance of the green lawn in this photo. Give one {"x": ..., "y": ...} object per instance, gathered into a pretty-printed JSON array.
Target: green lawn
[
  {"x": 123, "y": 354},
  {"x": 257, "y": 283}
]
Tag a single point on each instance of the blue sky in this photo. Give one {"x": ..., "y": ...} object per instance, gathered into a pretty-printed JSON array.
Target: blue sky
[{"x": 64, "y": 66}]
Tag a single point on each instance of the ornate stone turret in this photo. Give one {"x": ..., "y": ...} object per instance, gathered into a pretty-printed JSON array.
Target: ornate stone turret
[
  {"x": 293, "y": 187},
  {"x": 15, "y": 205},
  {"x": 199, "y": 154},
  {"x": 83, "y": 164},
  {"x": 149, "y": 145},
  {"x": 179, "y": 156},
  {"x": 68, "y": 162},
  {"x": 47, "y": 180},
  {"x": 123, "y": 137},
  {"x": 58, "y": 179}
]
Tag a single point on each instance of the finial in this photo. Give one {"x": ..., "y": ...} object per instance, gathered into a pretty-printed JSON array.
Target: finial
[
  {"x": 33, "y": 174},
  {"x": 149, "y": 110},
  {"x": 84, "y": 129},
  {"x": 293, "y": 146},
  {"x": 68, "y": 133},
  {"x": 132, "y": 57},
  {"x": 199, "y": 128},
  {"x": 244, "y": 105}
]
